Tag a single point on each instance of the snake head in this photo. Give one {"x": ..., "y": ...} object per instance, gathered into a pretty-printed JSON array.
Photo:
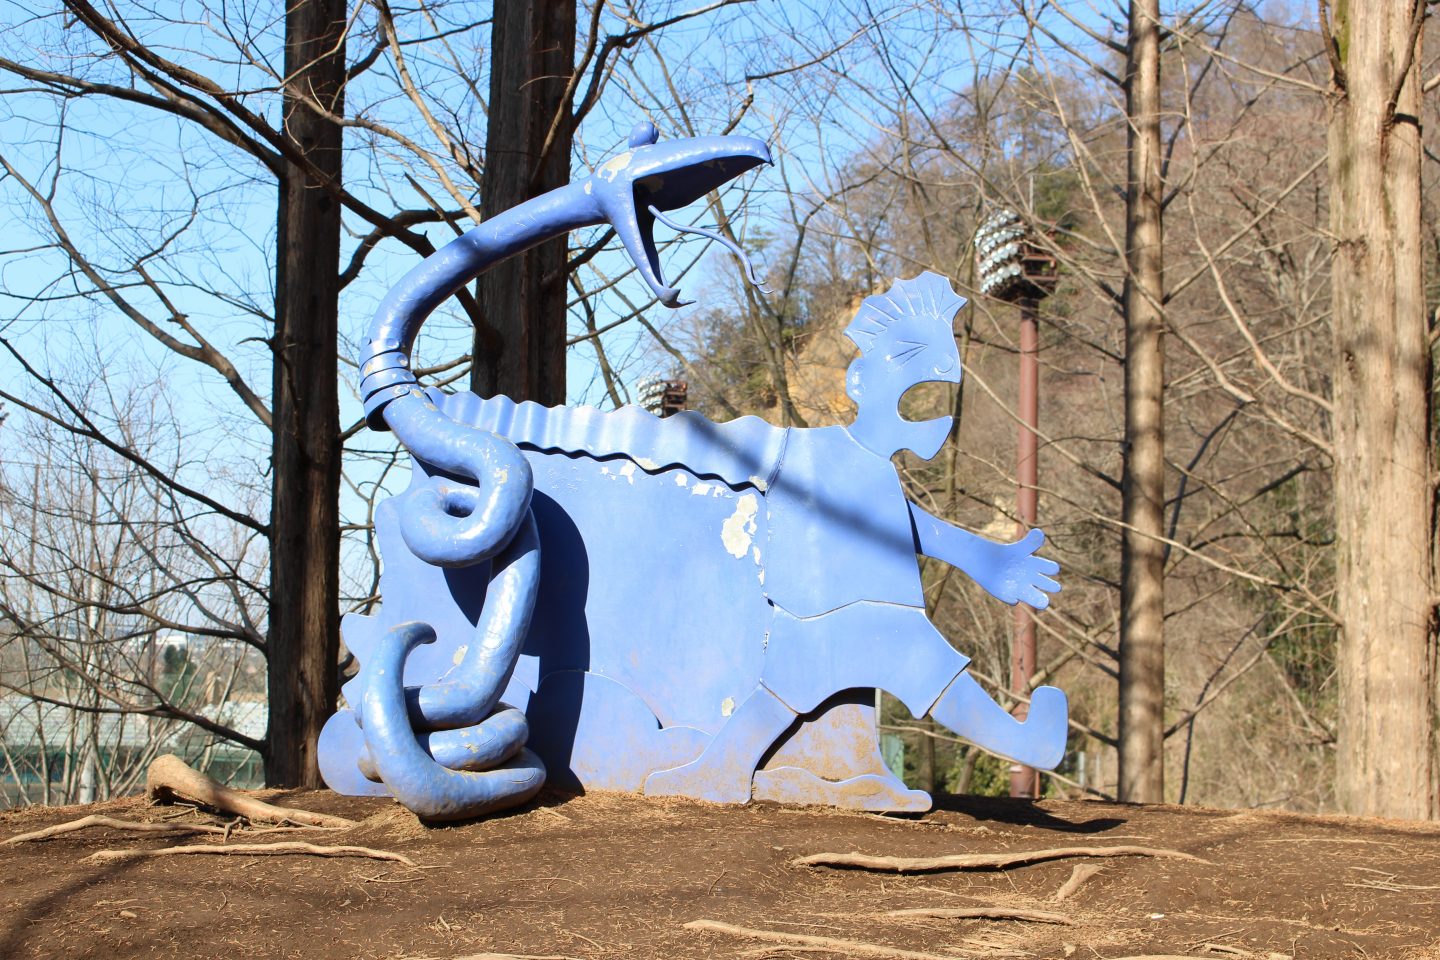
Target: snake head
[{"x": 640, "y": 185}]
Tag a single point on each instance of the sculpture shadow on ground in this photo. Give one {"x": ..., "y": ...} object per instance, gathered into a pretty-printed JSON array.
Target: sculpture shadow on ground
[{"x": 1022, "y": 813}]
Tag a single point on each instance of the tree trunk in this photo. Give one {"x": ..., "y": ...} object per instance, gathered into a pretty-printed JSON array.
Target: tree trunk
[
  {"x": 520, "y": 345},
  {"x": 304, "y": 638},
  {"x": 1383, "y": 500},
  {"x": 1142, "y": 586}
]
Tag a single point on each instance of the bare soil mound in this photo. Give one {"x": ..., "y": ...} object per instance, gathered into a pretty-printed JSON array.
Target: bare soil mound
[{"x": 606, "y": 875}]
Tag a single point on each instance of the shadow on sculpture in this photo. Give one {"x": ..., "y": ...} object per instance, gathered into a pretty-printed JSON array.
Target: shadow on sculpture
[{"x": 662, "y": 606}]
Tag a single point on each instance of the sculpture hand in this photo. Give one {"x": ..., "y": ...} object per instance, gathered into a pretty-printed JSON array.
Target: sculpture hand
[{"x": 1011, "y": 572}]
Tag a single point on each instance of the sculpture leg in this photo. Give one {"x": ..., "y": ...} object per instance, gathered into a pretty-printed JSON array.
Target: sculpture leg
[
  {"x": 722, "y": 774},
  {"x": 1038, "y": 742},
  {"x": 897, "y": 649},
  {"x": 859, "y": 646}
]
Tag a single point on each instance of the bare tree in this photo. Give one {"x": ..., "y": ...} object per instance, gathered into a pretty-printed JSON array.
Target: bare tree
[
  {"x": 1142, "y": 564},
  {"x": 520, "y": 340},
  {"x": 1383, "y": 475},
  {"x": 303, "y": 640},
  {"x": 128, "y": 619},
  {"x": 1035, "y": 119}
]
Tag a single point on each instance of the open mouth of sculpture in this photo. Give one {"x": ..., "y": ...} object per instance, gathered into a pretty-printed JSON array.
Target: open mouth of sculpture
[{"x": 668, "y": 176}]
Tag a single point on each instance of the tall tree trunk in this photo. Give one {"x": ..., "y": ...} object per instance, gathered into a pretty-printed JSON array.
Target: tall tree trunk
[
  {"x": 304, "y": 636},
  {"x": 520, "y": 346},
  {"x": 1142, "y": 587},
  {"x": 1383, "y": 499}
]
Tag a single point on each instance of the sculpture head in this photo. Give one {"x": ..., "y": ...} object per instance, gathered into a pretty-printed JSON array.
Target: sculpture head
[
  {"x": 638, "y": 187},
  {"x": 905, "y": 338}
]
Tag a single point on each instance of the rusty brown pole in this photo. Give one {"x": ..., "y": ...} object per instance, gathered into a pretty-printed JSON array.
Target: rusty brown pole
[{"x": 1025, "y": 781}]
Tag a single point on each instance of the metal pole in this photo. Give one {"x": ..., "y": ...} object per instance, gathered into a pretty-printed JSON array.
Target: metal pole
[{"x": 1024, "y": 781}]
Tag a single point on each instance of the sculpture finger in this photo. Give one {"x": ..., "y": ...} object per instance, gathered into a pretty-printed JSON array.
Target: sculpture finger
[
  {"x": 1033, "y": 540},
  {"x": 1035, "y": 598}
]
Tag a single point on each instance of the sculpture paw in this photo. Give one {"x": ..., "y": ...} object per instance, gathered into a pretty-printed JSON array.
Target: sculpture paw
[
  {"x": 702, "y": 781},
  {"x": 883, "y": 793}
]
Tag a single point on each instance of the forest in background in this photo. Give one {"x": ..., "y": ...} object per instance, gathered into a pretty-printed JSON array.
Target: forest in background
[{"x": 147, "y": 334}]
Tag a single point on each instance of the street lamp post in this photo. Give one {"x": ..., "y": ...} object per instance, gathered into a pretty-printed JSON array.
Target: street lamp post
[{"x": 1013, "y": 269}]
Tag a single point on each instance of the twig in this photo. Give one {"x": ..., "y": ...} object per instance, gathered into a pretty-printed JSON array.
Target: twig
[
  {"x": 1078, "y": 876},
  {"x": 378, "y": 878},
  {"x": 977, "y": 913},
  {"x": 979, "y": 861},
  {"x": 853, "y": 947},
  {"x": 96, "y": 820},
  {"x": 169, "y": 776},
  {"x": 254, "y": 849}
]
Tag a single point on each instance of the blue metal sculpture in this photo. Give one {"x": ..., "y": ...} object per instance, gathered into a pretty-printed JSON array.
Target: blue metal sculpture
[{"x": 675, "y": 606}]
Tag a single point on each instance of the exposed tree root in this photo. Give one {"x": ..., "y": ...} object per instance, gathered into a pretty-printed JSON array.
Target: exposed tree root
[
  {"x": 253, "y": 849},
  {"x": 1078, "y": 876},
  {"x": 96, "y": 820},
  {"x": 855, "y": 948},
  {"x": 170, "y": 777},
  {"x": 979, "y": 861},
  {"x": 978, "y": 913}
]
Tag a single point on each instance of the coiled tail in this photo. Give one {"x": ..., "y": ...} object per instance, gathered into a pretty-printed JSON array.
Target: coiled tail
[{"x": 432, "y": 791}]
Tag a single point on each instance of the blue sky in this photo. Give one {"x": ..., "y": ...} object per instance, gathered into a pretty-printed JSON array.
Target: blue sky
[{"x": 131, "y": 178}]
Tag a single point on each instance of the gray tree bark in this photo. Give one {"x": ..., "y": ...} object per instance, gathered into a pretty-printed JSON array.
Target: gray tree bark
[
  {"x": 1384, "y": 503},
  {"x": 520, "y": 343},
  {"x": 304, "y": 638},
  {"x": 1142, "y": 586}
]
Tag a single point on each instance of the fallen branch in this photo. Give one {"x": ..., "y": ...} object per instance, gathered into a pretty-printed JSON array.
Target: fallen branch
[
  {"x": 1078, "y": 876},
  {"x": 253, "y": 849},
  {"x": 96, "y": 820},
  {"x": 979, "y": 861},
  {"x": 977, "y": 913},
  {"x": 170, "y": 777},
  {"x": 852, "y": 947}
]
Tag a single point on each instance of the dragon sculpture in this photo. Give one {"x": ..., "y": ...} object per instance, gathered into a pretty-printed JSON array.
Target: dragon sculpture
[{"x": 663, "y": 606}]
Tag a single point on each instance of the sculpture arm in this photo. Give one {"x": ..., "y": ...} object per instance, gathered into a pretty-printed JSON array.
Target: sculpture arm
[
  {"x": 743, "y": 451},
  {"x": 1009, "y": 571}
]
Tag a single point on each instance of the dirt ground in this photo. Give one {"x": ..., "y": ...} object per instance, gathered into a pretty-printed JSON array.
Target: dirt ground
[{"x": 606, "y": 875}]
